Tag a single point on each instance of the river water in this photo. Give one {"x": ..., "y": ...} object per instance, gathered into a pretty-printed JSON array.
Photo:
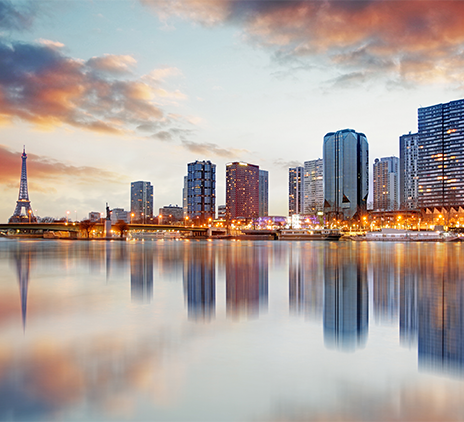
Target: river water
[{"x": 231, "y": 331}]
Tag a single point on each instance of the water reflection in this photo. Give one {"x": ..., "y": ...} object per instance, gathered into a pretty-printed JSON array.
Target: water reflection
[
  {"x": 200, "y": 282},
  {"x": 247, "y": 275},
  {"x": 22, "y": 261},
  {"x": 141, "y": 274},
  {"x": 346, "y": 310},
  {"x": 441, "y": 312}
]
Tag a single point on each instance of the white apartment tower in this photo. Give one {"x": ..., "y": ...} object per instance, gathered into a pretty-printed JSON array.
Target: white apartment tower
[{"x": 313, "y": 186}]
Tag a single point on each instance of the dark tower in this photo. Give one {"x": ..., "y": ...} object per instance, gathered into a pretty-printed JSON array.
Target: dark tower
[{"x": 23, "y": 198}]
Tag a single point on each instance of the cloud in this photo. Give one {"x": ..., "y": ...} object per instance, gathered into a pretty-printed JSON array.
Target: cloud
[
  {"x": 287, "y": 164},
  {"x": 17, "y": 16},
  {"x": 207, "y": 148},
  {"x": 413, "y": 41},
  {"x": 43, "y": 170},
  {"x": 40, "y": 85}
]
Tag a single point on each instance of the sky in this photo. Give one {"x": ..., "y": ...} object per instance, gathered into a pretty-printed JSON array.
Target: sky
[{"x": 103, "y": 93}]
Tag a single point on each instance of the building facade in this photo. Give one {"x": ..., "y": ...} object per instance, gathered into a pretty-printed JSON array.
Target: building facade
[
  {"x": 385, "y": 184},
  {"x": 346, "y": 173},
  {"x": 263, "y": 193},
  {"x": 142, "y": 202},
  {"x": 242, "y": 190},
  {"x": 313, "y": 186},
  {"x": 295, "y": 190},
  {"x": 170, "y": 214},
  {"x": 408, "y": 178},
  {"x": 119, "y": 214},
  {"x": 201, "y": 191},
  {"x": 440, "y": 158}
]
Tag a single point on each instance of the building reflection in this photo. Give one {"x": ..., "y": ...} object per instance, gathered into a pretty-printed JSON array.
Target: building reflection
[
  {"x": 247, "y": 279},
  {"x": 200, "y": 282},
  {"x": 22, "y": 260},
  {"x": 384, "y": 262},
  {"x": 441, "y": 311},
  {"x": 305, "y": 282},
  {"x": 345, "y": 298},
  {"x": 141, "y": 267}
]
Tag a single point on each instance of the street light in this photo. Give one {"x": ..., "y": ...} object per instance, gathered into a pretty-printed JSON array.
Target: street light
[{"x": 132, "y": 216}]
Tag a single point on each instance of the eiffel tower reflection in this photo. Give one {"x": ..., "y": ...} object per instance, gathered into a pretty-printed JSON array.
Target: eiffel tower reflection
[{"x": 22, "y": 260}]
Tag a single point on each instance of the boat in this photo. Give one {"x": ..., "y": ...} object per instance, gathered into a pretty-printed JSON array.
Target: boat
[
  {"x": 158, "y": 235},
  {"x": 307, "y": 234},
  {"x": 397, "y": 235}
]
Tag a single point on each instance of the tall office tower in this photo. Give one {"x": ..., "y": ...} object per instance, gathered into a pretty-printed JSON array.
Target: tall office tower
[
  {"x": 408, "y": 171},
  {"x": 346, "y": 173},
  {"x": 141, "y": 201},
  {"x": 242, "y": 190},
  {"x": 201, "y": 191},
  {"x": 313, "y": 186},
  {"x": 263, "y": 193},
  {"x": 441, "y": 155},
  {"x": 295, "y": 190},
  {"x": 184, "y": 196},
  {"x": 385, "y": 183}
]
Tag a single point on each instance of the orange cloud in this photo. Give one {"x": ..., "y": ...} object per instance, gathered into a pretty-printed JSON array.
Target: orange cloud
[
  {"x": 41, "y": 85},
  {"x": 417, "y": 41}
]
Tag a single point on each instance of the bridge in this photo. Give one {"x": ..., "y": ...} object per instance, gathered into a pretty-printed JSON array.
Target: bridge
[{"x": 74, "y": 227}]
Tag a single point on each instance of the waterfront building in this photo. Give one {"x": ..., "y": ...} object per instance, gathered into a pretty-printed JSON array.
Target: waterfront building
[
  {"x": 313, "y": 186},
  {"x": 242, "y": 190},
  {"x": 385, "y": 184},
  {"x": 408, "y": 171},
  {"x": 295, "y": 190},
  {"x": 119, "y": 214},
  {"x": 184, "y": 196},
  {"x": 170, "y": 213},
  {"x": 221, "y": 212},
  {"x": 94, "y": 216},
  {"x": 263, "y": 193},
  {"x": 201, "y": 191},
  {"x": 441, "y": 155},
  {"x": 346, "y": 173},
  {"x": 23, "y": 198},
  {"x": 141, "y": 202}
]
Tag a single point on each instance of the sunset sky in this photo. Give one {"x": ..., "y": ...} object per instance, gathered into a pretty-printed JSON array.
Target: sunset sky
[{"x": 103, "y": 93}]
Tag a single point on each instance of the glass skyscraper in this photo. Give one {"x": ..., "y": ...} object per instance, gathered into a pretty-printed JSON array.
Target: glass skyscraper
[
  {"x": 201, "y": 191},
  {"x": 141, "y": 202},
  {"x": 408, "y": 171},
  {"x": 263, "y": 193},
  {"x": 441, "y": 155},
  {"x": 385, "y": 183},
  {"x": 295, "y": 190},
  {"x": 242, "y": 190},
  {"x": 346, "y": 173},
  {"x": 313, "y": 186}
]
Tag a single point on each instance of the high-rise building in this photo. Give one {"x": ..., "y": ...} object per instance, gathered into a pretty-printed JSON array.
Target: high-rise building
[
  {"x": 441, "y": 155},
  {"x": 346, "y": 173},
  {"x": 385, "y": 183},
  {"x": 184, "y": 196},
  {"x": 201, "y": 191},
  {"x": 263, "y": 193},
  {"x": 142, "y": 201},
  {"x": 295, "y": 190},
  {"x": 313, "y": 186},
  {"x": 408, "y": 171},
  {"x": 242, "y": 190}
]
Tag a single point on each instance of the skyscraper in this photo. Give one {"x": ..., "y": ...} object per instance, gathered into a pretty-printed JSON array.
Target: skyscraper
[
  {"x": 242, "y": 190},
  {"x": 295, "y": 190},
  {"x": 141, "y": 201},
  {"x": 385, "y": 183},
  {"x": 440, "y": 158},
  {"x": 346, "y": 173},
  {"x": 263, "y": 193},
  {"x": 313, "y": 186},
  {"x": 201, "y": 191},
  {"x": 408, "y": 171}
]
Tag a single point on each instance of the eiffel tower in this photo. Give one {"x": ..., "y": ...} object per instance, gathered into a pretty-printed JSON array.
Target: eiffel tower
[{"x": 23, "y": 198}]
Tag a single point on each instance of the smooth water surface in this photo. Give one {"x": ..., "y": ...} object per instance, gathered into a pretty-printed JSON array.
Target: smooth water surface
[{"x": 231, "y": 331}]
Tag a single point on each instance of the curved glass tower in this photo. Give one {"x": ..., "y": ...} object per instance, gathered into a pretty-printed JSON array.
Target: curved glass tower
[{"x": 346, "y": 173}]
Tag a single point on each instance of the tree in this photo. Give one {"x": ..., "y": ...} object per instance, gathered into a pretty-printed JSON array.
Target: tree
[
  {"x": 86, "y": 226},
  {"x": 122, "y": 227}
]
